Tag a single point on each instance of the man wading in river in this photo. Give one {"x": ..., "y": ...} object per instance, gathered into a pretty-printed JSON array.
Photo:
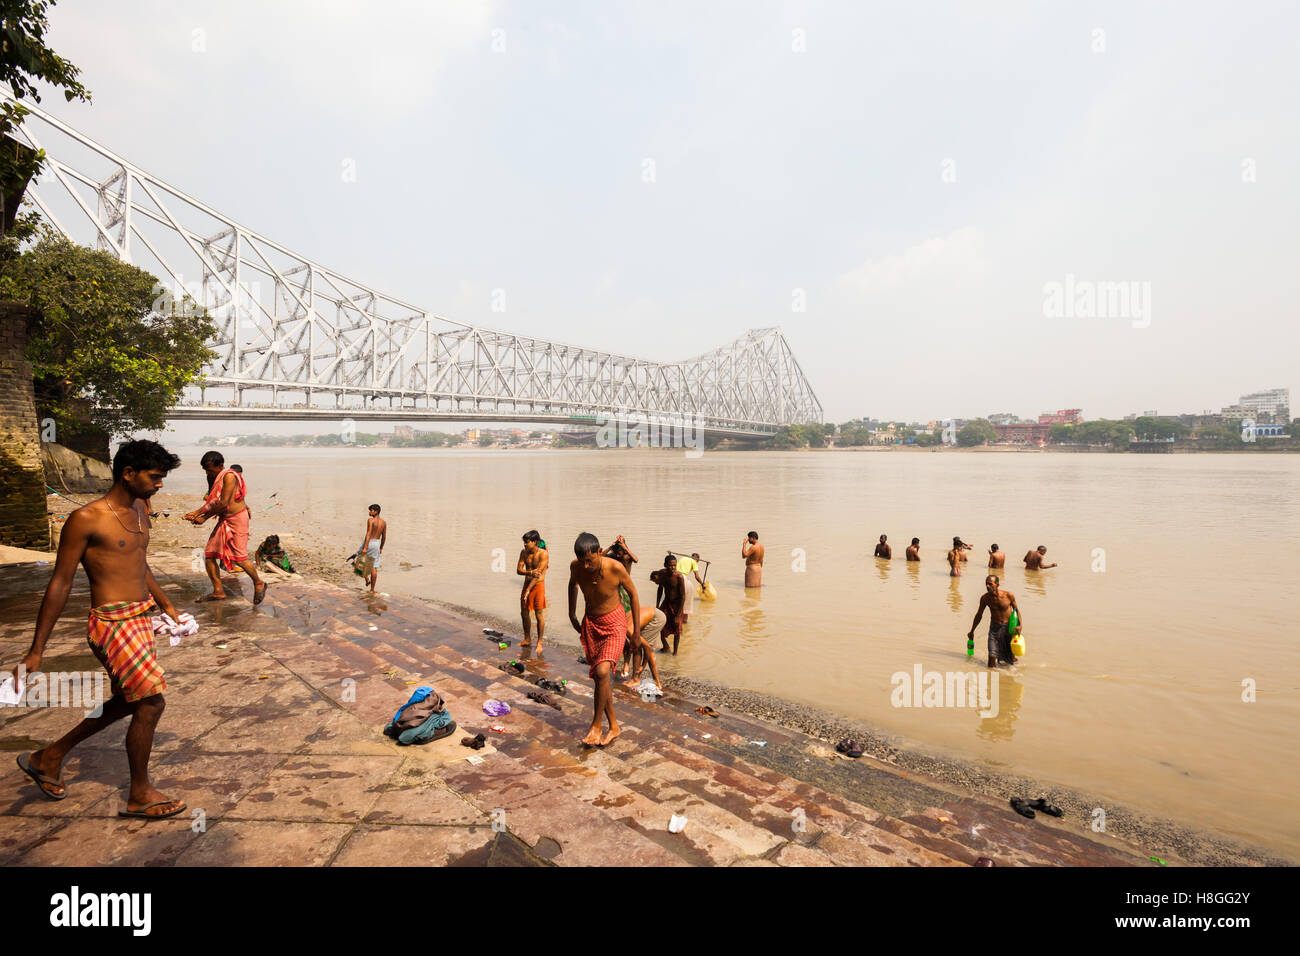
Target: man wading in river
[{"x": 999, "y": 603}]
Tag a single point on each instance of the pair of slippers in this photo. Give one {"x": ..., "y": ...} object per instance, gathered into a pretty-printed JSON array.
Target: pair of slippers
[
  {"x": 707, "y": 711},
  {"x": 477, "y": 742},
  {"x": 511, "y": 667},
  {"x": 1026, "y": 808},
  {"x": 554, "y": 686},
  {"x": 543, "y": 698},
  {"x": 47, "y": 785},
  {"x": 849, "y": 747}
]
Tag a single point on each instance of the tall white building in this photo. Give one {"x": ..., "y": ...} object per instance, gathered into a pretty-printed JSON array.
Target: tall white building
[{"x": 1271, "y": 401}]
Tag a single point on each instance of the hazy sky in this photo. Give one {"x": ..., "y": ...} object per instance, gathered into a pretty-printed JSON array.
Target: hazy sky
[{"x": 920, "y": 171}]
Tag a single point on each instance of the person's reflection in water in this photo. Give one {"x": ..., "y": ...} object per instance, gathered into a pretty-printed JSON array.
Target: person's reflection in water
[
  {"x": 882, "y": 568},
  {"x": 1036, "y": 581},
  {"x": 1010, "y": 695},
  {"x": 954, "y": 593},
  {"x": 753, "y": 622},
  {"x": 914, "y": 574}
]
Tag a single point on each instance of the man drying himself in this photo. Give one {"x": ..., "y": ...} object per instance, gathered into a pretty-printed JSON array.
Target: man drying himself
[
  {"x": 372, "y": 545},
  {"x": 534, "y": 560},
  {"x": 639, "y": 650},
  {"x": 752, "y": 552},
  {"x": 604, "y": 625},
  {"x": 109, "y": 537},
  {"x": 1034, "y": 559},
  {"x": 670, "y": 598},
  {"x": 914, "y": 550},
  {"x": 229, "y": 539},
  {"x": 883, "y": 550},
  {"x": 1000, "y": 604},
  {"x": 997, "y": 559}
]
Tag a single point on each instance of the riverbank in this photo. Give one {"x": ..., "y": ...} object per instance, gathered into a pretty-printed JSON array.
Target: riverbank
[
  {"x": 272, "y": 738},
  {"x": 318, "y": 558}
]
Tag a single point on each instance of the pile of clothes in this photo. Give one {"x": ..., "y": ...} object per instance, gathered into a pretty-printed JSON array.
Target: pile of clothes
[{"x": 422, "y": 719}]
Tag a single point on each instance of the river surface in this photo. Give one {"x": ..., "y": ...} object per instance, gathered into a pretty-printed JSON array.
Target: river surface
[{"x": 1174, "y": 599}]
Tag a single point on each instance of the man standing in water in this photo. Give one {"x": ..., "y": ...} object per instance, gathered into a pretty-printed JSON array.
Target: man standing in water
[
  {"x": 229, "y": 539},
  {"x": 914, "y": 550},
  {"x": 690, "y": 570},
  {"x": 883, "y": 550},
  {"x": 1000, "y": 604},
  {"x": 1034, "y": 559},
  {"x": 372, "y": 545},
  {"x": 110, "y": 538},
  {"x": 954, "y": 559},
  {"x": 752, "y": 552},
  {"x": 671, "y": 599},
  {"x": 997, "y": 560},
  {"x": 604, "y": 625},
  {"x": 534, "y": 561}
]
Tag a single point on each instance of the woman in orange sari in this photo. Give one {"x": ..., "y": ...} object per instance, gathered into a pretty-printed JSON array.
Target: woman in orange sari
[{"x": 228, "y": 542}]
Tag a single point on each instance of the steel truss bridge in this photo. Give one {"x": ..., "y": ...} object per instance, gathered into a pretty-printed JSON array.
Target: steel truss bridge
[{"x": 296, "y": 340}]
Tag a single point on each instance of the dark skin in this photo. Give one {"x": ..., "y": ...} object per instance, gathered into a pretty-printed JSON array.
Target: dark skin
[
  {"x": 883, "y": 550},
  {"x": 1034, "y": 560},
  {"x": 954, "y": 562},
  {"x": 376, "y": 530},
  {"x": 533, "y": 564},
  {"x": 110, "y": 539},
  {"x": 599, "y": 579},
  {"x": 999, "y": 603},
  {"x": 226, "y": 505},
  {"x": 997, "y": 559},
  {"x": 670, "y": 598},
  {"x": 914, "y": 552},
  {"x": 637, "y": 652}
]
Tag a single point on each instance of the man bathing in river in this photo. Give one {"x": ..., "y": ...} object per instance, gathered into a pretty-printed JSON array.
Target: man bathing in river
[
  {"x": 604, "y": 625},
  {"x": 997, "y": 558},
  {"x": 914, "y": 550},
  {"x": 372, "y": 545},
  {"x": 954, "y": 559},
  {"x": 110, "y": 538},
  {"x": 639, "y": 649},
  {"x": 534, "y": 560},
  {"x": 1000, "y": 604},
  {"x": 671, "y": 599},
  {"x": 228, "y": 542},
  {"x": 1034, "y": 559},
  {"x": 883, "y": 550},
  {"x": 752, "y": 552}
]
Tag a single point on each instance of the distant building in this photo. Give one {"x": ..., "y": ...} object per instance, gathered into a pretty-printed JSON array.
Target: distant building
[
  {"x": 403, "y": 431},
  {"x": 1269, "y": 431},
  {"x": 1023, "y": 433},
  {"x": 1275, "y": 402},
  {"x": 1235, "y": 411},
  {"x": 1062, "y": 416}
]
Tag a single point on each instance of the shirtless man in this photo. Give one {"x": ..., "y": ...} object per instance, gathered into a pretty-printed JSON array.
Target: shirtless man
[
  {"x": 228, "y": 543},
  {"x": 671, "y": 599},
  {"x": 997, "y": 559},
  {"x": 639, "y": 650},
  {"x": 914, "y": 550},
  {"x": 1034, "y": 559},
  {"x": 372, "y": 545},
  {"x": 999, "y": 604},
  {"x": 883, "y": 550},
  {"x": 534, "y": 560},
  {"x": 954, "y": 559},
  {"x": 604, "y": 625},
  {"x": 110, "y": 538},
  {"x": 752, "y": 552}
]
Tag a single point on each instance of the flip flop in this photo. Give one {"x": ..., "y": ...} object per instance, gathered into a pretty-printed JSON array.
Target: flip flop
[
  {"x": 258, "y": 595},
  {"x": 1050, "y": 809},
  {"x": 476, "y": 742},
  {"x": 707, "y": 711},
  {"x": 144, "y": 814},
  {"x": 491, "y": 632},
  {"x": 1021, "y": 806},
  {"x": 42, "y": 781}
]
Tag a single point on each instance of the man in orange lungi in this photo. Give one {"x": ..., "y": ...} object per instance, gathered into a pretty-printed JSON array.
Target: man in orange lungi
[
  {"x": 229, "y": 539},
  {"x": 110, "y": 538},
  {"x": 604, "y": 625},
  {"x": 534, "y": 561}
]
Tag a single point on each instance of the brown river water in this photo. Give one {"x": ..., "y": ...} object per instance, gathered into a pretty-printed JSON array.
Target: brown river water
[{"x": 1175, "y": 594}]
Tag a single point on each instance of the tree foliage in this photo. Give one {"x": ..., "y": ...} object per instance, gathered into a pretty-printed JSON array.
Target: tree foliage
[
  {"x": 978, "y": 432},
  {"x": 25, "y": 60},
  {"x": 107, "y": 349}
]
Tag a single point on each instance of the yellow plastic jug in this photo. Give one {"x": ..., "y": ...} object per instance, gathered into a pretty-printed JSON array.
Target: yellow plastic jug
[
  {"x": 708, "y": 593},
  {"x": 1018, "y": 645}
]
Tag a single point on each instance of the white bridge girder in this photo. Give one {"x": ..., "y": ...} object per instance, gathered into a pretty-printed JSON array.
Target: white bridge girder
[{"x": 294, "y": 336}]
